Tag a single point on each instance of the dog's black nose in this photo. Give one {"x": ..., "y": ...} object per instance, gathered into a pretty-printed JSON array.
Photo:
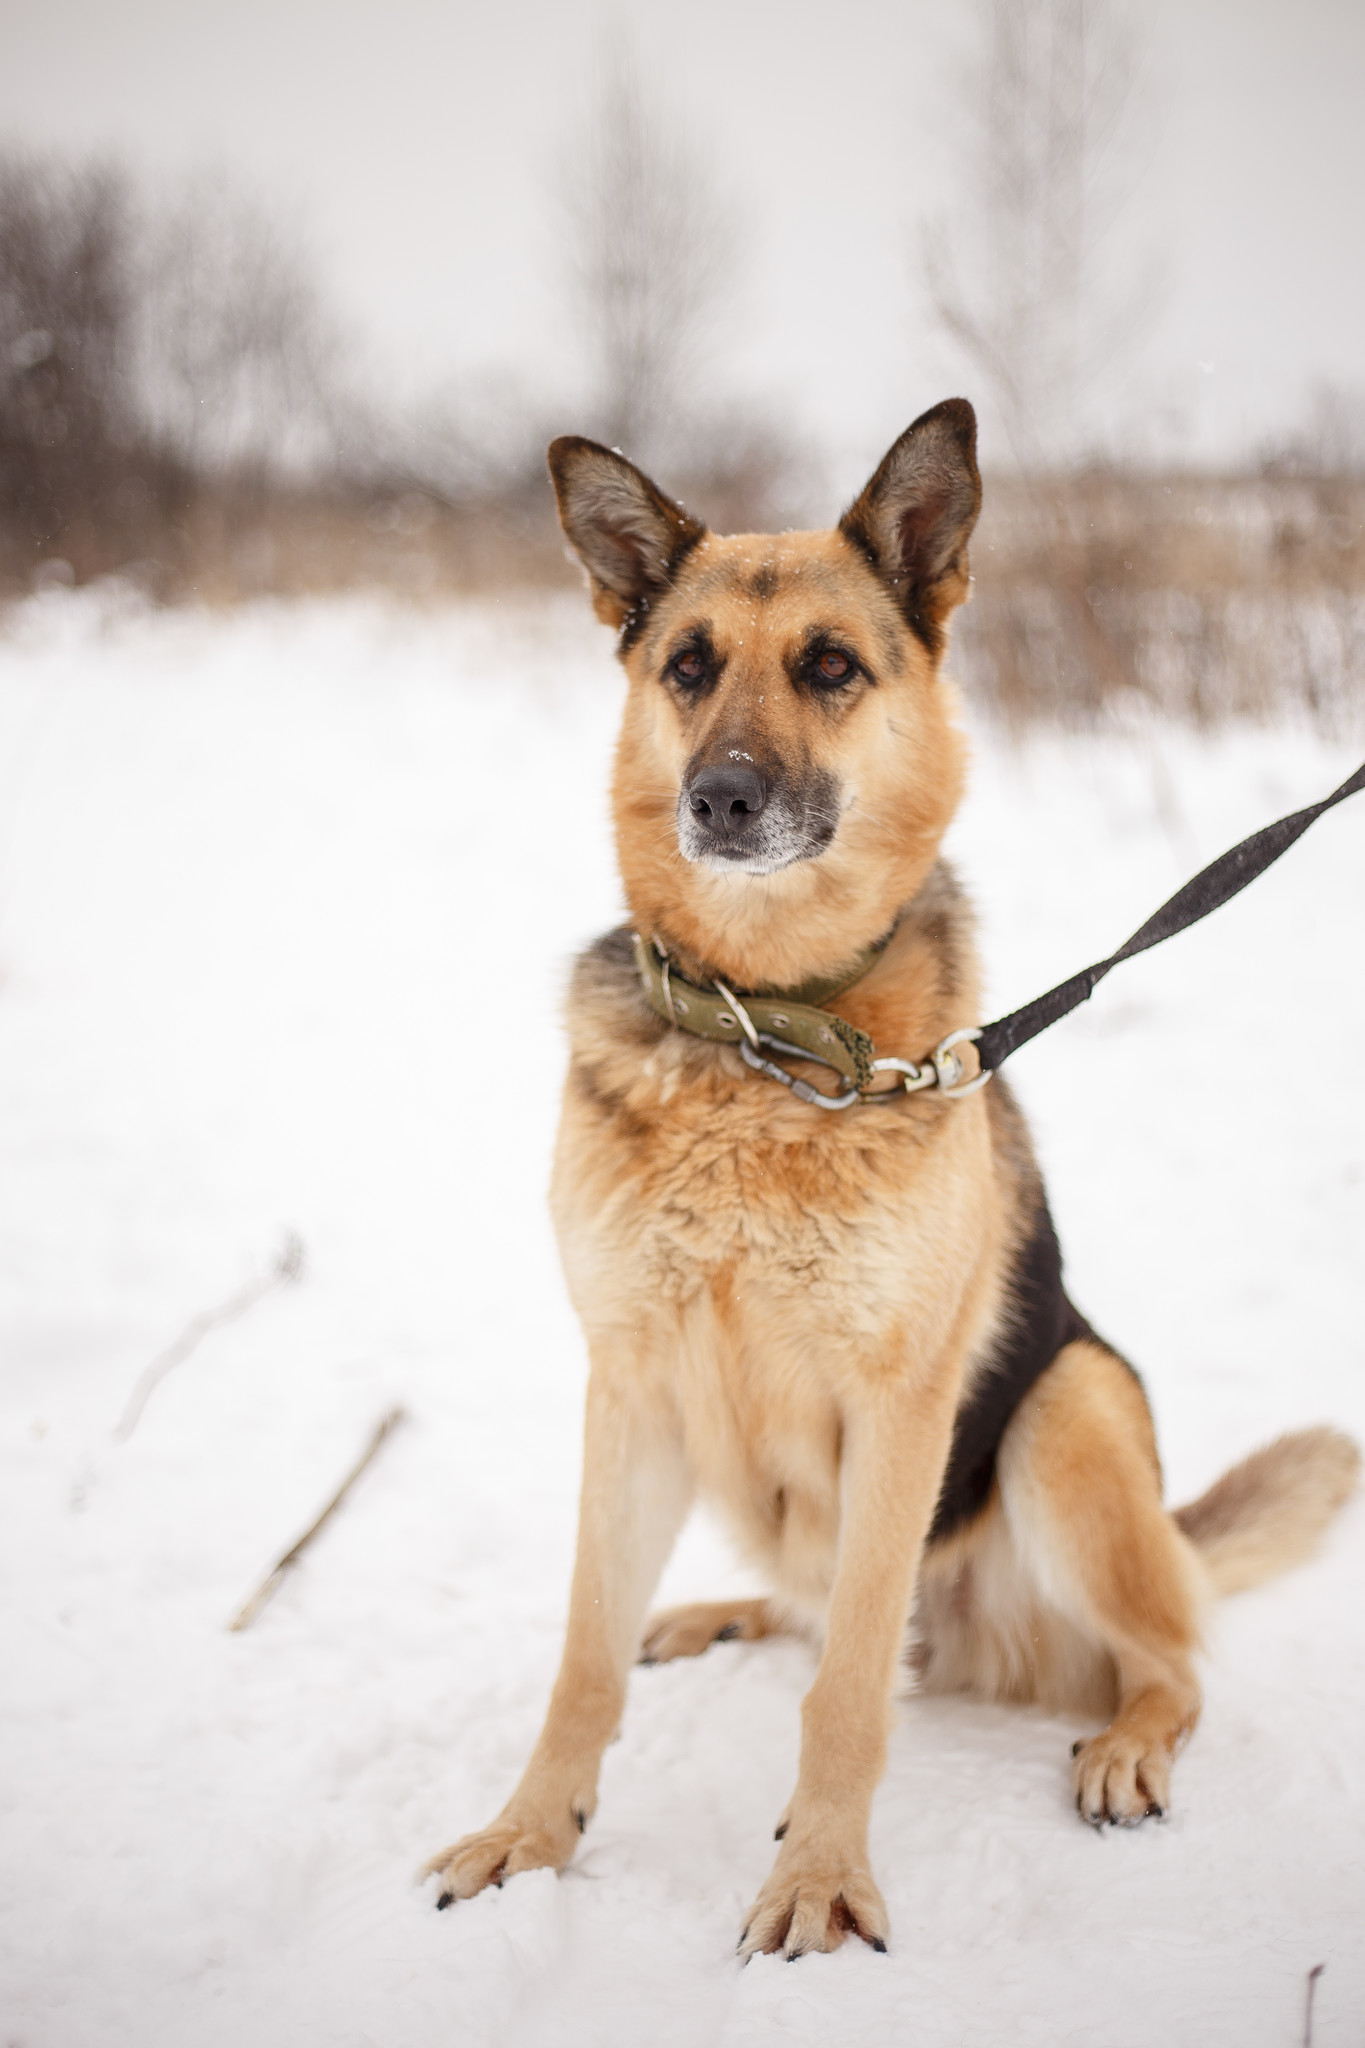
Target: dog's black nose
[{"x": 725, "y": 800}]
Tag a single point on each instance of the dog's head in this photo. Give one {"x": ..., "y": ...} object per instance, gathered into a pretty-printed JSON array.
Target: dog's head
[{"x": 789, "y": 760}]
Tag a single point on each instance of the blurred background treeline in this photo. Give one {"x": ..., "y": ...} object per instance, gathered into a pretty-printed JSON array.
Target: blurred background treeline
[{"x": 183, "y": 406}]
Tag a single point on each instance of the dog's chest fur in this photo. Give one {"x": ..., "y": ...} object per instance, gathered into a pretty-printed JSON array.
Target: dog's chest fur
[
  {"x": 679, "y": 1170},
  {"x": 742, "y": 1256}
]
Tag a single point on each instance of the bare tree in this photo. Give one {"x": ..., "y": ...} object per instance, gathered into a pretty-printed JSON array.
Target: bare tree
[
  {"x": 147, "y": 353},
  {"x": 1017, "y": 280},
  {"x": 649, "y": 253},
  {"x": 239, "y": 368},
  {"x": 66, "y": 296}
]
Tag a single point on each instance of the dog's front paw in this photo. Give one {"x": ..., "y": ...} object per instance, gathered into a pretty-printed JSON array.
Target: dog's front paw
[
  {"x": 810, "y": 1903},
  {"x": 513, "y": 1843},
  {"x": 1121, "y": 1778}
]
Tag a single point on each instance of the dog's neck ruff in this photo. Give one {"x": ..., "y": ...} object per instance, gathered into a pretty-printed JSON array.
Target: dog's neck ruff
[{"x": 795, "y": 1024}]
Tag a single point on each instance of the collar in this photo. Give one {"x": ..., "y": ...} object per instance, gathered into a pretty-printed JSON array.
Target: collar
[
  {"x": 796, "y": 1025},
  {"x": 795, "y": 1020}
]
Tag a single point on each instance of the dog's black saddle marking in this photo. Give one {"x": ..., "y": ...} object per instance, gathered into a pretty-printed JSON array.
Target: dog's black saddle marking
[{"x": 1043, "y": 1320}]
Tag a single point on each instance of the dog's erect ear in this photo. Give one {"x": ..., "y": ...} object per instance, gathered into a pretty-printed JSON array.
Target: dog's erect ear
[
  {"x": 913, "y": 520},
  {"x": 629, "y": 537}
]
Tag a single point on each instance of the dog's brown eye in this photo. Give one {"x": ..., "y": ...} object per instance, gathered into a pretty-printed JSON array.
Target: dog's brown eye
[
  {"x": 688, "y": 666},
  {"x": 833, "y": 667}
]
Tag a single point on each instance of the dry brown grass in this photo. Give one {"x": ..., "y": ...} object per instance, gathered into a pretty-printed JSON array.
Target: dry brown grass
[
  {"x": 224, "y": 549},
  {"x": 1203, "y": 598}
]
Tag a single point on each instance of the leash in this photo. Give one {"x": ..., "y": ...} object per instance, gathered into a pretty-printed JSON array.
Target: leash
[{"x": 802, "y": 1030}]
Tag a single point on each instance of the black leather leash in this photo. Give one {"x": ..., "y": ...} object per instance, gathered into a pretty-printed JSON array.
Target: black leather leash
[{"x": 1213, "y": 886}]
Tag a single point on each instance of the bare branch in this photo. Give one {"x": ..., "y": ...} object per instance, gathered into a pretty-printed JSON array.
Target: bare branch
[
  {"x": 287, "y": 1268},
  {"x": 1311, "y": 1993},
  {"x": 275, "y": 1577}
]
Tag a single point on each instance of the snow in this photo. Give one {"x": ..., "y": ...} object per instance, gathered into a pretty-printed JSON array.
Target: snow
[{"x": 286, "y": 901}]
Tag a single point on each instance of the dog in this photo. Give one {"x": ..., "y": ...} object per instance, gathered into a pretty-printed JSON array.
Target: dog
[{"x": 846, "y": 1328}]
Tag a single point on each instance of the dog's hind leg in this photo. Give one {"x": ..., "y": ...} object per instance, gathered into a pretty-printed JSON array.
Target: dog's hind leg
[
  {"x": 1081, "y": 1490},
  {"x": 687, "y": 1631},
  {"x": 636, "y": 1491}
]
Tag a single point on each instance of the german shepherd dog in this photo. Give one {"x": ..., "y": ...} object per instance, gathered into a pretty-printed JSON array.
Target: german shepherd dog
[{"x": 847, "y": 1330}]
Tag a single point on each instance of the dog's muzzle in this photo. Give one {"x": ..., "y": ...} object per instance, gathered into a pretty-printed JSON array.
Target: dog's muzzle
[{"x": 736, "y": 817}]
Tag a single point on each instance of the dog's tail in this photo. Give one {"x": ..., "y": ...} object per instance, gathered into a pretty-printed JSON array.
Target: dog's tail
[{"x": 1269, "y": 1513}]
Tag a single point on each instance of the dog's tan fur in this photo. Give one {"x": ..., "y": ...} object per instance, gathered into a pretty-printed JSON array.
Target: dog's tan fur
[{"x": 785, "y": 1308}]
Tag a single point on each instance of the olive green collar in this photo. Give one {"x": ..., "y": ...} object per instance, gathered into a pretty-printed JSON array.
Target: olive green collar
[
  {"x": 795, "y": 1024},
  {"x": 793, "y": 1019}
]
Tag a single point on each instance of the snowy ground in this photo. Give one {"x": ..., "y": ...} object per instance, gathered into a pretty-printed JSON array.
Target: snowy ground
[{"x": 286, "y": 899}]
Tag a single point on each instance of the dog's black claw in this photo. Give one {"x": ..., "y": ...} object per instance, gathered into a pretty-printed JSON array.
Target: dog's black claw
[
  {"x": 780, "y": 1830},
  {"x": 1077, "y": 1746},
  {"x": 726, "y": 1633},
  {"x": 878, "y": 1944},
  {"x": 582, "y": 1820},
  {"x": 794, "y": 1955},
  {"x": 446, "y": 1899},
  {"x": 646, "y": 1660},
  {"x": 1157, "y": 1812}
]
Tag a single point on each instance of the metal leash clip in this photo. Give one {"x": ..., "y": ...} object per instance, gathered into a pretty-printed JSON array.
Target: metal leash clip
[
  {"x": 948, "y": 1067},
  {"x": 942, "y": 1069},
  {"x": 913, "y": 1077}
]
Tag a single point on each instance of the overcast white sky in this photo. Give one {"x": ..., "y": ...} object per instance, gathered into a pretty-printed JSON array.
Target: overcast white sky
[{"x": 418, "y": 144}]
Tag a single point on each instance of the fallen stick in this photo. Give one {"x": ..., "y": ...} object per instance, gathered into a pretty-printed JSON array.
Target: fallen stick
[
  {"x": 287, "y": 1267},
  {"x": 274, "y": 1578},
  {"x": 1313, "y": 1976}
]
